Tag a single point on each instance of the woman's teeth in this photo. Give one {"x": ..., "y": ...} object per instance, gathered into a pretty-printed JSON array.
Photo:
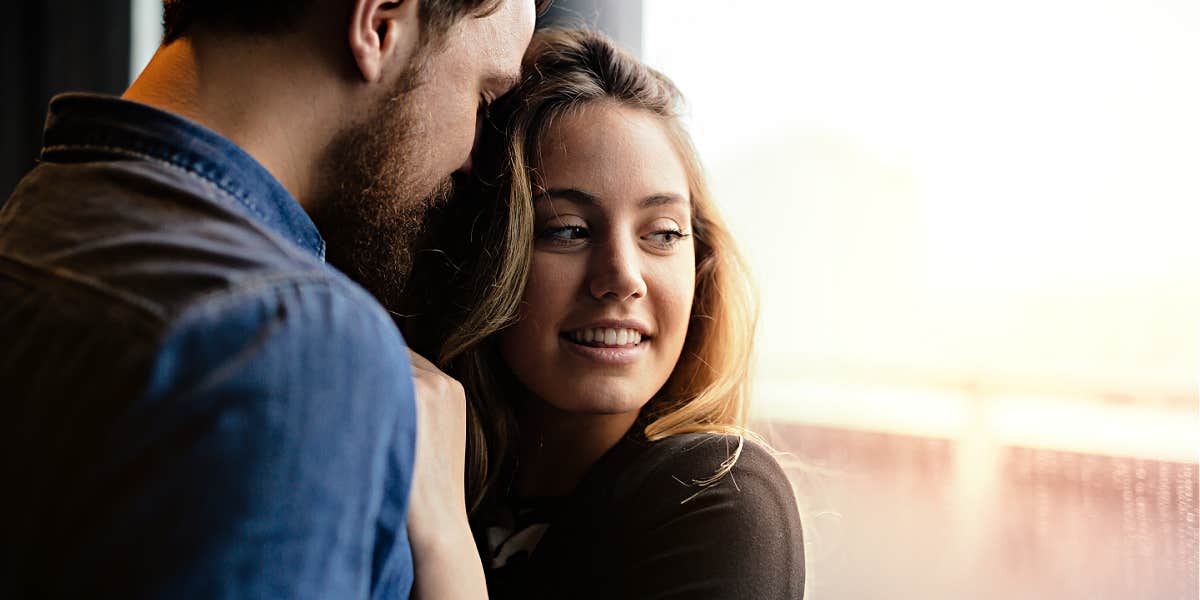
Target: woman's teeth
[{"x": 606, "y": 336}]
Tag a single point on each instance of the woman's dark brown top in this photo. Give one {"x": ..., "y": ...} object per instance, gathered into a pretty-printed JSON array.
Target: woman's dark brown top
[{"x": 640, "y": 526}]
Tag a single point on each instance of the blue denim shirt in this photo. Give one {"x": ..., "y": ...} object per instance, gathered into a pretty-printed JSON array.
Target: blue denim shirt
[{"x": 195, "y": 404}]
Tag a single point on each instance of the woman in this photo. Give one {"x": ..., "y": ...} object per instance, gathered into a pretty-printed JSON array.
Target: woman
[{"x": 601, "y": 324}]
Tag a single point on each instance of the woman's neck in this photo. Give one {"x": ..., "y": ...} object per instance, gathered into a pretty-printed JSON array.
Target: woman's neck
[{"x": 557, "y": 448}]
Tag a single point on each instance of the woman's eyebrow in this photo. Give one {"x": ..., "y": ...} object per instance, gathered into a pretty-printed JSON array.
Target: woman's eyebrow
[
  {"x": 660, "y": 199},
  {"x": 573, "y": 195},
  {"x": 578, "y": 196}
]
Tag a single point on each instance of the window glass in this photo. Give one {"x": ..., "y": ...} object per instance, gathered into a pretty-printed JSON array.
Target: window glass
[{"x": 976, "y": 231}]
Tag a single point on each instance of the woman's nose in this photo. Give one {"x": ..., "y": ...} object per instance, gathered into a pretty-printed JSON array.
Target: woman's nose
[{"x": 616, "y": 271}]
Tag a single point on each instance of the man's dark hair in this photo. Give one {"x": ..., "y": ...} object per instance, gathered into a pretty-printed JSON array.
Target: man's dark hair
[{"x": 278, "y": 16}]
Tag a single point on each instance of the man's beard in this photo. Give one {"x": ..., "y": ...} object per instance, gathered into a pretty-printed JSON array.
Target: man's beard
[{"x": 377, "y": 197}]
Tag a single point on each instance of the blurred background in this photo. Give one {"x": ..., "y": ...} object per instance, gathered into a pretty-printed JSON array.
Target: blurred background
[{"x": 976, "y": 231}]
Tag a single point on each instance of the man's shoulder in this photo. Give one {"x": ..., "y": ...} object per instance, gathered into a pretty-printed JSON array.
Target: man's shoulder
[
  {"x": 143, "y": 233},
  {"x": 310, "y": 336},
  {"x": 168, "y": 251}
]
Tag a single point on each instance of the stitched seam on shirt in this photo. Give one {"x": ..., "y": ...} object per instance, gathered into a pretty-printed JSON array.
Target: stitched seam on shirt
[
  {"x": 225, "y": 299},
  {"x": 259, "y": 283},
  {"x": 152, "y": 309},
  {"x": 277, "y": 281},
  {"x": 241, "y": 199}
]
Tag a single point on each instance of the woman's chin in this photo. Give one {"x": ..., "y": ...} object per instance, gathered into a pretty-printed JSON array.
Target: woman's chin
[{"x": 592, "y": 399}]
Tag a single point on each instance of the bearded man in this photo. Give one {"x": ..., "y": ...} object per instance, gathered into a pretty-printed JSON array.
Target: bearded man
[{"x": 199, "y": 404}]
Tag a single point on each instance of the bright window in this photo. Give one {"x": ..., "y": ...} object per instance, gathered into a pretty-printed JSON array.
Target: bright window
[{"x": 976, "y": 229}]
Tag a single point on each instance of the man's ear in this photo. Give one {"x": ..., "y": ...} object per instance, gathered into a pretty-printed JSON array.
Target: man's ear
[{"x": 383, "y": 33}]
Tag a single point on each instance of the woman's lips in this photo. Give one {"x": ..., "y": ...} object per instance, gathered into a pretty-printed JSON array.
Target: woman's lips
[
  {"x": 605, "y": 336},
  {"x": 604, "y": 354}
]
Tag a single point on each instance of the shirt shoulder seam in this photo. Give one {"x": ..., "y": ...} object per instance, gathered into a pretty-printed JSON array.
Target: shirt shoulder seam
[
  {"x": 241, "y": 199},
  {"x": 155, "y": 311}
]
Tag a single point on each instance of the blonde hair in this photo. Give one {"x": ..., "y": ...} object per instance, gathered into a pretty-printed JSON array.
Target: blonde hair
[{"x": 707, "y": 391}]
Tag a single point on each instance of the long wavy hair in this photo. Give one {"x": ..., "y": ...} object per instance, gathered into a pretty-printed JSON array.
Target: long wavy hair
[{"x": 469, "y": 285}]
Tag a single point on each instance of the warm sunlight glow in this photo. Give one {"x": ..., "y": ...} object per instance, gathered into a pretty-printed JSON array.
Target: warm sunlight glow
[
  {"x": 996, "y": 195},
  {"x": 976, "y": 230}
]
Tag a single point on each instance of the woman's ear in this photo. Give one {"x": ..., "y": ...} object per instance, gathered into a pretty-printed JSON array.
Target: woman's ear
[{"x": 384, "y": 35}]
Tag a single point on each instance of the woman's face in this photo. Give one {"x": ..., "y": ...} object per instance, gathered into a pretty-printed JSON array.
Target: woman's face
[{"x": 609, "y": 296}]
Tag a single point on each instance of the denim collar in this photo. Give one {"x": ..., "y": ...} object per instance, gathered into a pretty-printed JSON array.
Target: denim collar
[{"x": 92, "y": 123}]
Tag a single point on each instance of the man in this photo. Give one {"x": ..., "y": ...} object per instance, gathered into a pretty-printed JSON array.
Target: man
[{"x": 196, "y": 403}]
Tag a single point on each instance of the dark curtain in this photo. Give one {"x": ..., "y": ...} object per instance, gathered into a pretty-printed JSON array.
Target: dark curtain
[{"x": 52, "y": 46}]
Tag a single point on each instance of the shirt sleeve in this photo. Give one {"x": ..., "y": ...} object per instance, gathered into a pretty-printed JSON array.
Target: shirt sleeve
[
  {"x": 737, "y": 538},
  {"x": 270, "y": 456}
]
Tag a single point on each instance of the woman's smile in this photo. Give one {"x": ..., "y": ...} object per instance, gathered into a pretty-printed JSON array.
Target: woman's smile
[
  {"x": 605, "y": 337},
  {"x": 609, "y": 346}
]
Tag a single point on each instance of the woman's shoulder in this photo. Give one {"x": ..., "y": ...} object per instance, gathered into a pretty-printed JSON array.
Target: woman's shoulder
[
  {"x": 712, "y": 514},
  {"x": 682, "y": 468}
]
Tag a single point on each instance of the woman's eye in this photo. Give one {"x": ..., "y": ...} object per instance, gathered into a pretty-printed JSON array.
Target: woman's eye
[
  {"x": 667, "y": 237},
  {"x": 565, "y": 234}
]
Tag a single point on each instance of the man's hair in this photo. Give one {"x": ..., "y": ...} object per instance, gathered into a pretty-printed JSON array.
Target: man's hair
[{"x": 265, "y": 17}]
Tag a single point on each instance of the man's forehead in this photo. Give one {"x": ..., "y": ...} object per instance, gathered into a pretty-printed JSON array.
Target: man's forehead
[
  {"x": 513, "y": 19},
  {"x": 503, "y": 37}
]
